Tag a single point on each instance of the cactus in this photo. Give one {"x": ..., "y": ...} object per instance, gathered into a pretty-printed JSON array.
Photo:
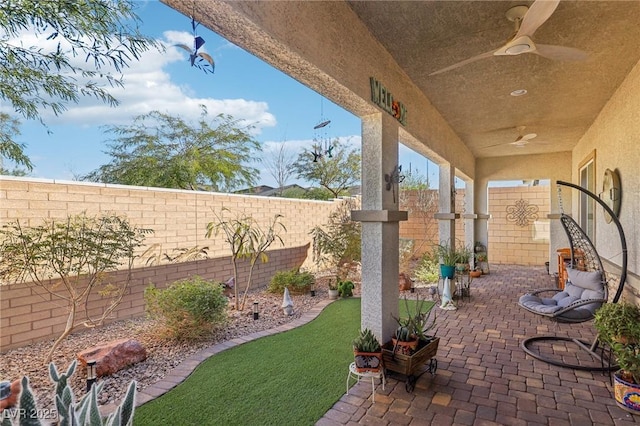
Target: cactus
[
  {"x": 70, "y": 413},
  {"x": 404, "y": 334}
]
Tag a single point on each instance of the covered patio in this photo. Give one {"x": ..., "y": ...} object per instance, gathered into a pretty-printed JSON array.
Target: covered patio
[
  {"x": 468, "y": 85},
  {"x": 484, "y": 377}
]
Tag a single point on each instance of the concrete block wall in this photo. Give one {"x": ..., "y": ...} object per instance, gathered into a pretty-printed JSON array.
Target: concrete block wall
[
  {"x": 508, "y": 242},
  {"x": 179, "y": 220},
  {"x": 29, "y": 314}
]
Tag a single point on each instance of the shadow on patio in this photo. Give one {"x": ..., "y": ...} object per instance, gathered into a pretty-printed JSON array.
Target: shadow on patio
[{"x": 484, "y": 377}]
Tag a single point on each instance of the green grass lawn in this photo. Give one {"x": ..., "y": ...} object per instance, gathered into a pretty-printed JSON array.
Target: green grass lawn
[{"x": 288, "y": 378}]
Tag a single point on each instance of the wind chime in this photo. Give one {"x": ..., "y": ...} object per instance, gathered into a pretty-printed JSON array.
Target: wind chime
[
  {"x": 321, "y": 142},
  {"x": 200, "y": 60}
]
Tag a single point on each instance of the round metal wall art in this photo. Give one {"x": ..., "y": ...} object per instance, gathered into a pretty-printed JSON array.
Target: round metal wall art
[{"x": 611, "y": 193}]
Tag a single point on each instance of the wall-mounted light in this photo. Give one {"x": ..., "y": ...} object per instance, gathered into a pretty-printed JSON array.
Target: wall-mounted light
[{"x": 91, "y": 374}]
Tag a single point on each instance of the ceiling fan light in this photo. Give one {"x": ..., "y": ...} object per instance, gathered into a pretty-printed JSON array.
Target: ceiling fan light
[
  {"x": 517, "y": 49},
  {"x": 518, "y": 92}
]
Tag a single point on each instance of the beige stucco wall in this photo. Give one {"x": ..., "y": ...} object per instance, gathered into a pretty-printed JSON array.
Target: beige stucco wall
[{"x": 615, "y": 137}]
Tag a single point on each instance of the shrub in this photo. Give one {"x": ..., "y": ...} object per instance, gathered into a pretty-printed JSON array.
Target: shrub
[
  {"x": 427, "y": 270},
  {"x": 188, "y": 309},
  {"x": 345, "y": 288},
  {"x": 297, "y": 282},
  {"x": 71, "y": 258}
]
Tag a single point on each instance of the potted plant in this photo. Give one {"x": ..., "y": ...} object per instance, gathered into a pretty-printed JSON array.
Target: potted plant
[
  {"x": 448, "y": 257},
  {"x": 464, "y": 254},
  {"x": 333, "y": 290},
  {"x": 367, "y": 352},
  {"x": 405, "y": 340},
  {"x": 418, "y": 325},
  {"x": 618, "y": 325}
]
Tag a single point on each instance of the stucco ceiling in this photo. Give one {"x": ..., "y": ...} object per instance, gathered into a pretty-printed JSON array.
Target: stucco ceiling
[{"x": 563, "y": 98}]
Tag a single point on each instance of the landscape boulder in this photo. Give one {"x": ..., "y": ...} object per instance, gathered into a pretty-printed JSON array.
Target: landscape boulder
[
  {"x": 113, "y": 356},
  {"x": 10, "y": 397}
]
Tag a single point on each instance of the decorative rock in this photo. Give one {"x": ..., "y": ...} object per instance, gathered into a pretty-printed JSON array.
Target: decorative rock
[
  {"x": 113, "y": 356},
  {"x": 12, "y": 398}
]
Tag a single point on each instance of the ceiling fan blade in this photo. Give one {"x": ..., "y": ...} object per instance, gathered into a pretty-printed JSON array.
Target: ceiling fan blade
[
  {"x": 538, "y": 13},
  {"x": 560, "y": 53},
  {"x": 465, "y": 62}
]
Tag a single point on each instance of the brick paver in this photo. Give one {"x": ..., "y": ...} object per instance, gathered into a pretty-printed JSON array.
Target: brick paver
[{"x": 485, "y": 378}]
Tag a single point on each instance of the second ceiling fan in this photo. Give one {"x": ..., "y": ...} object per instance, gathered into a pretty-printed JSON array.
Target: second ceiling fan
[{"x": 527, "y": 20}]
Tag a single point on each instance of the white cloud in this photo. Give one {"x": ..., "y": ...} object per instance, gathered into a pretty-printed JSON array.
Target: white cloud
[{"x": 148, "y": 86}]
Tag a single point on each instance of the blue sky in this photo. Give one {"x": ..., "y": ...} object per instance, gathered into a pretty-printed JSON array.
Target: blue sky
[{"x": 282, "y": 109}]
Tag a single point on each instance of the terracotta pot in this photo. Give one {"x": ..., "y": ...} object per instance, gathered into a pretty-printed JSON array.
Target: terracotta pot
[
  {"x": 405, "y": 348},
  {"x": 475, "y": 274},
  {"x": 404, "y": 282}
]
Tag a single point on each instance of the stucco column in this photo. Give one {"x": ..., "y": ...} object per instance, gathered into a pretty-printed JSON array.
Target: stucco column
[
  {"x": 446, "y": 204},
  {"x": 481, "y": 199},
  {"x": 469, "y": 215},
  {"x": 380, "y": 227}
]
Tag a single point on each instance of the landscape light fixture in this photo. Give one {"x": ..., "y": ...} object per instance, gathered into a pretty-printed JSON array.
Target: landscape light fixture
[
  {"x": 256, "y": 314},
  {"x": 313, "y": 290},
  {"x": 91, "y": 374}
]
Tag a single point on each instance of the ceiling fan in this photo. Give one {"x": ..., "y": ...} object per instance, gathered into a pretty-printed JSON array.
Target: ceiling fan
[
  {"x": 520, "y": 141},
  {"x": 527, "y": 20}
]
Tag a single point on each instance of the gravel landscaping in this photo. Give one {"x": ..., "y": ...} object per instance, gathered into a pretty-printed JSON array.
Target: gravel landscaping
[{"x": 162, "y": 355}]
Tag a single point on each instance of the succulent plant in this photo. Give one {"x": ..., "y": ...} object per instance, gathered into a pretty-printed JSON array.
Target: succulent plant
[
  {"x": 366, "y": 342},
  {"x": 84, "y": 412}
]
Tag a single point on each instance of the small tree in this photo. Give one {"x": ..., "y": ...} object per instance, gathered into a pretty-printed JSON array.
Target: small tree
[
  {"x": 69, "y": 259},
  {"x": 247, "y": 240},
  {"x": 161, "y": 150},
  {"x": 50, "y": 73},
  {"x": 10, "y": 149},
  {"x": 339, "y": 241},
  {"x": 417, "y": 197},
  {"x": 335, "y": 172},
  {"x": 280, "y": 166}
]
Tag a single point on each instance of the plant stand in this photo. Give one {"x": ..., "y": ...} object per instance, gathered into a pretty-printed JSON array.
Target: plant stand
[
  {"x": 408, "y": 365},
  {"x": 353, "y": 372}
]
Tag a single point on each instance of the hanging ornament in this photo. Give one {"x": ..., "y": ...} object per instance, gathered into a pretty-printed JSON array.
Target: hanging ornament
[
  {"x": 200, "y": 60},
  {"x": 321, "y": 144}
]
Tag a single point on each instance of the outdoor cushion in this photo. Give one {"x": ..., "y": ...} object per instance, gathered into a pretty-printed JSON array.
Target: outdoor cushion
[
  {"x": 588, "y": 280},
  {"x": 539, "y": 304},
  {"x": 581, "y": 286}
]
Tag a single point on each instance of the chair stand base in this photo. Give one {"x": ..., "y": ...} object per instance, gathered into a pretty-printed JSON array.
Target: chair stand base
[{"x": 526, "y": 346}]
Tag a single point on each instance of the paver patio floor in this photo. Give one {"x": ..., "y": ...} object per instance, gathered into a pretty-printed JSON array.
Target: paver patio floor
[{"x": 483, "y": 375}]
